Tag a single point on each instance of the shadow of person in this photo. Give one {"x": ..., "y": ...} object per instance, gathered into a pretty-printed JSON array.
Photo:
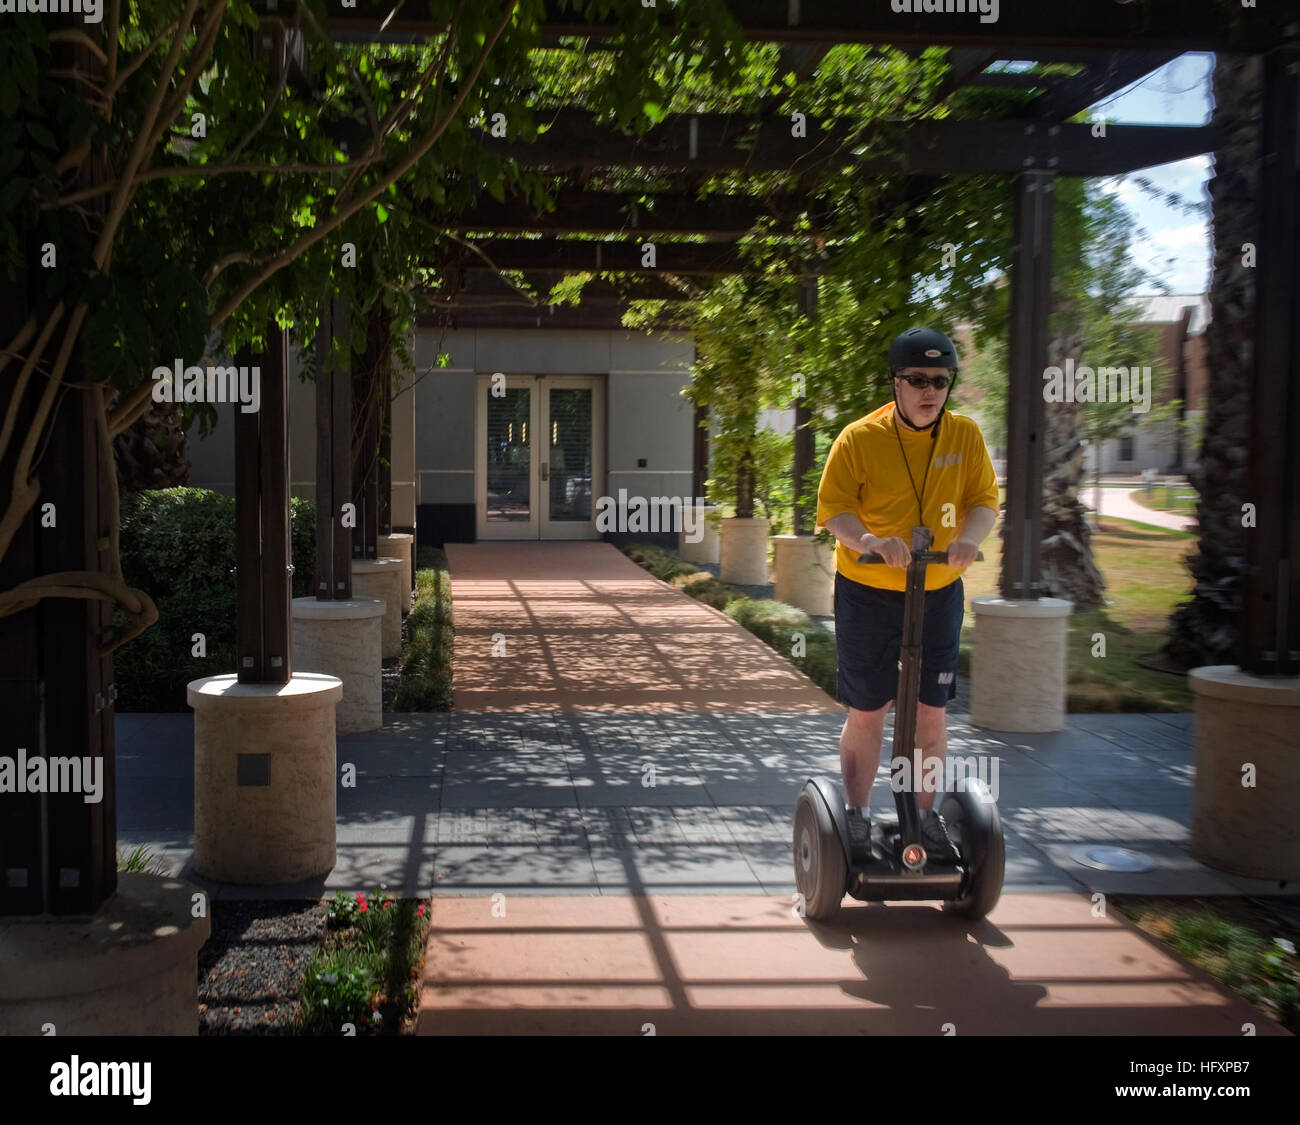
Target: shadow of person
[{"x": 923, "y": 970}]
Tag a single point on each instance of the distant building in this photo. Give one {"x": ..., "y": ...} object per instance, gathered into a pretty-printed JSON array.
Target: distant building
[{"x": 1159, "y": 445}]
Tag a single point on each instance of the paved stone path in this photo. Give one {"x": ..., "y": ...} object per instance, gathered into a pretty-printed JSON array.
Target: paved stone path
[
  {"x": 636, "y": 814},
  {"x": 1122, "y": 505},
  {"x": 563, "y": 802},
  {"x": 579, "y": 626},
  {"x": 1042, "y": 964}
]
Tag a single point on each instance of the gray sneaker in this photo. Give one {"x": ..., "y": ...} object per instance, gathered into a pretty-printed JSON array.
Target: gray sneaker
[
  {"x": 859, "y": 833},
  {"x": 934, "y": 835}
]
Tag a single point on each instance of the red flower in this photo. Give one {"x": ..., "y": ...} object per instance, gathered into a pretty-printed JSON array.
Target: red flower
[
  {"x": 419, "y": 910},
  {"x": 362, "y": 908}
]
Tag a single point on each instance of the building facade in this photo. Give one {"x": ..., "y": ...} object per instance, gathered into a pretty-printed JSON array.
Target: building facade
[{"x": 516, "y": 433}]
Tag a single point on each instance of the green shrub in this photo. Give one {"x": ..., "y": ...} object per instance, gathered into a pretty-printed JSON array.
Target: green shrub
[
  {"x": 776, "y": 625},
  {"x": 340, "y": 987},
  {"x": 141, "y": 858},
  {"x": 657, "y": 561},
  {"x": 430, "y": 558},
  {"x": 702, "y": 586},
  {"x": 425, "y": 683},
  {"x": 178, "y": 545},
  {"x": 366, "y": 972}
]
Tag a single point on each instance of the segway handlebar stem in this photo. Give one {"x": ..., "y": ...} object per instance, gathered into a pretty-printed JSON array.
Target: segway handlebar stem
[{"x": 927, "y": 557}]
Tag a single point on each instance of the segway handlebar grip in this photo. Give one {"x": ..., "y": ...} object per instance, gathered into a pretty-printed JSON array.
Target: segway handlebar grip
[{"x": 940, "y": 557}]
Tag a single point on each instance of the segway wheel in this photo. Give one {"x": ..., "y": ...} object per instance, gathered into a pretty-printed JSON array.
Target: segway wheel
[
  {"x": 976, "y": 830},
  {"x": 820, "y": 871}
]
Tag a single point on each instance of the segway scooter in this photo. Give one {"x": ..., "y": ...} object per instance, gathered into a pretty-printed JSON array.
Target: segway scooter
[{"x": 897, "y": 867}]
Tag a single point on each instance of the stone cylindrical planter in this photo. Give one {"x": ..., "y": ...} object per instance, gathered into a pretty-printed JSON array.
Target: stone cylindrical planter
[
  {"x": 1244, "y": 820},
  {"x": 805, "y": 574},
  {"x": 343, "y": 639},
  {"x": 264, "y": 778},
  {"x": 384, "y": 579},
  {"x": 401, "y": 545},
  {"x": 130, "y": 969},
  {"x": 709, "y": 547},
  {"x": 1017, "y": 665},
  {"x": 744, "y": 552}
]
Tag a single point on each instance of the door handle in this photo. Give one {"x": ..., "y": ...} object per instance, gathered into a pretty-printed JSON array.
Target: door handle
[{"x": 546, "y": 471}]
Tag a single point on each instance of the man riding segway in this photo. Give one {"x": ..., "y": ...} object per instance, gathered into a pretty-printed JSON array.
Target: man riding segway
[{"x": 906, "y": 464}]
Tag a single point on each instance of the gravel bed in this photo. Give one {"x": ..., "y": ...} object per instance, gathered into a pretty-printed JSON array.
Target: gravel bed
[{"x": 250, "y": 967}]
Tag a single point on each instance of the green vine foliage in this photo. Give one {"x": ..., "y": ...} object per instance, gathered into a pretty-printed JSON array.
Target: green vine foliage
[{"x": 203, "y": 228}]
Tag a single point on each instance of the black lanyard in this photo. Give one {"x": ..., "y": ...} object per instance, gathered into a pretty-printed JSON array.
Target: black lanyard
[{"x": 920, "y": 508}]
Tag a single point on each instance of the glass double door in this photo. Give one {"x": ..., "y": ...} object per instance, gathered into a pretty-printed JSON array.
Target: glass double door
[{"x": 538, "y": 467}]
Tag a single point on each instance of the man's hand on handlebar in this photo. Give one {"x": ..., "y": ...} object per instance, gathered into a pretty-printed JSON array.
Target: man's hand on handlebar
[
  {"x": 962, "y": 552},
  {"x": 894, "y": 551}
]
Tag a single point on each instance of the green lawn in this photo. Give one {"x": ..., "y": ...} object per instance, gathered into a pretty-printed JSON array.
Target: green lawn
[
  {"x": 1180, "y": 498},
  {"x": 1146, "y": 577}
]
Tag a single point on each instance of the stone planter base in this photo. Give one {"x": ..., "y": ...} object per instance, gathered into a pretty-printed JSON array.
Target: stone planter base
[
  {"x": 805, "y": 574},
  {"x": 401, "y": 545},
  {"x": 265, "y": 780},
  {"x": 384, "y": 579},
  {"x": 1017, "y": 666},
  {"x": 1243, "y": 720},
  {"x": 744, "y": 552},
  {"x": 342, "y": 639},
  {"x": 131, "y": 969},
  {"x": 709, "y": 548}
]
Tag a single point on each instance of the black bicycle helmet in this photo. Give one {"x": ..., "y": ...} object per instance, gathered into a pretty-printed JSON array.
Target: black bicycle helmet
[{"x": 922, "y": 347}]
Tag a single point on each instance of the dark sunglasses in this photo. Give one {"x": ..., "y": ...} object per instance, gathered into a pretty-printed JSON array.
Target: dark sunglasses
[{"x": 920, "y": 382}]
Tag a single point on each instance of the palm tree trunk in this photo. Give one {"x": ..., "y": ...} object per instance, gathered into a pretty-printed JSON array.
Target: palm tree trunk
[
  {"x": 153, "y": 453},
  {"x": 1068, "y": 567},
  {"x": 1205, "y": 630}
]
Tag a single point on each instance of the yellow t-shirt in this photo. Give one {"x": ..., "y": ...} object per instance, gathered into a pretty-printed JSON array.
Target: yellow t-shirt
[{"x": 864, "y": 474}]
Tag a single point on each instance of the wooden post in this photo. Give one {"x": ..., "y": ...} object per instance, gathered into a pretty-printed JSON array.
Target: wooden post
[
  {"x": 58, "y": 851},
  {"x": 805, "y": 437},
  {"x": 386, "y": 451},
  {"x": 263, "y": 587},
  {"x": 368, "y": 411},
  {"x": 333, "y": 461},
  {"x": 1031, "y": 293}
]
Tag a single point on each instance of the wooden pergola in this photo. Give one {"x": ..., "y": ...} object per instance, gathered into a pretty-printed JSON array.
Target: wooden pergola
[{"x": 1114, "y": 44}]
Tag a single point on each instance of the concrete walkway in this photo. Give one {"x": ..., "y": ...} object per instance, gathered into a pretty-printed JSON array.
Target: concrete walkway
[
  {"x": 579, "y": 626},
  {"x": 636, "y": 830},
  {"x": 611, "y": 803},
  {"x": 1122, "y": 504}
]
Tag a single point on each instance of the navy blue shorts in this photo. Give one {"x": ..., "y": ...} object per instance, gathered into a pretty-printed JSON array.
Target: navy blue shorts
[{"x": 869, "y": 633}]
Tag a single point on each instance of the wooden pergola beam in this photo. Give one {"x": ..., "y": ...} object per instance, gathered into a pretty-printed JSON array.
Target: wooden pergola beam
[
  {"x": 1181, "y": 25},
  {"x": 1068, "y": 96},
  {"x": 625, "y": 256},
  {"x": 733, "y": 142},
  {"x": 599, "y": 212},
  {"x": 487, "y": 285}
]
